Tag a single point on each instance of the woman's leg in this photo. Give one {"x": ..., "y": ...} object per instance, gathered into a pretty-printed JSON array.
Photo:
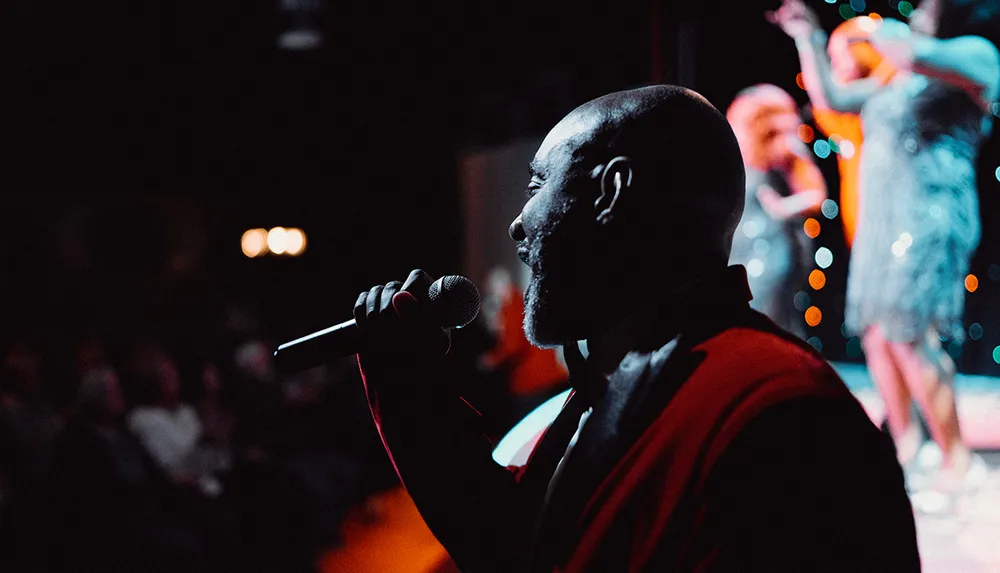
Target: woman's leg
[
  {"x": 889, "y": 380},
  {"x": 928, "y": 371}
]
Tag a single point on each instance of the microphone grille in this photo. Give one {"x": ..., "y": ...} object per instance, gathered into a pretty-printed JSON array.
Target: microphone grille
[{"x": 455, "y": 299}]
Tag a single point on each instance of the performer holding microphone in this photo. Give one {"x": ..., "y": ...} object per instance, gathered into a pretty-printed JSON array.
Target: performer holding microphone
[{"x": 699, "y": 436}]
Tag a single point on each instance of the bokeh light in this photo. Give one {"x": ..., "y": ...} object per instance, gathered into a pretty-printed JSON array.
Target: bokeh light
[
  {"x": 846, "y": 149},
  {"x": 994, "y": 272},
  {"x": 834, "y": 140},
  {"x": 971, "y": 283},
  {"x": 976, "y": 331},
  {"x": 802, "y": 301},
  {"x": 821, "y": 148},
  {"x": 830, "y": 209},
  {"x": 295, "y": 242},
  {"x": 997, "y": 173},
  {"x": 277, "y": 240},
  {"x": 254, "y": 243},
  {"x": 807, "y": 135},
  {"x": 817, "y": 279},
  {"x": 814, "y": 316},
  {"x": 824, "y": 258},
  {"x": 800, "y": 80},
  {"x": 811, "y": 227},
  {"x": 846, "y": 12},
  {"x": 858, "y": 5},
  {"x": 755, "y": 267},
  {"x": 905, "y": 8},
  {"x": 996, "y": 355},
  {"x": 875, "y": 16},
  {"x": 816, "y": 343}
]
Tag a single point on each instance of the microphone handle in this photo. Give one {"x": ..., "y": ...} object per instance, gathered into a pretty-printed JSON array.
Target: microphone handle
[{"x": 318, "y": 348}]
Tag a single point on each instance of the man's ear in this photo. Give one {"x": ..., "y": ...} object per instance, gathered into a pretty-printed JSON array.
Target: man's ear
[{"x": 616, "y": 179}]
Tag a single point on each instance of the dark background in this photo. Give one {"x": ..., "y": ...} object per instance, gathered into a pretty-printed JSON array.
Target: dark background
[{"x": 143, "y": 138}]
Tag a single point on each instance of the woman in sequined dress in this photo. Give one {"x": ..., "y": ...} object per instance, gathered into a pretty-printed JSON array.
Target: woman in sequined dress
[
  {"x": 783, "y": 186},
  {"x": 919, "y": 224}
]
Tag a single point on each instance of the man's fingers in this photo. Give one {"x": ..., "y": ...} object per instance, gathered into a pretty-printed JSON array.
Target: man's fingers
[
  {"x": 360, "y": 308},
  {"x": 417, "y": 284},
  {"x": 385, "y": 302},
  {"x": 372, "y": 303}
]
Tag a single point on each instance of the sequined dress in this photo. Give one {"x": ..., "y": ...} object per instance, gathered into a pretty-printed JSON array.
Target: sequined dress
[
  {"x": 919, "y": 222},
  {"x": 773, "y": 252}
]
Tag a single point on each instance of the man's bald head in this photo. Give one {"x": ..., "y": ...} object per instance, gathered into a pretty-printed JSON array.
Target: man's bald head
[
  {"x": 626, "y": 187},
  {"x": 686, "y": 159}
]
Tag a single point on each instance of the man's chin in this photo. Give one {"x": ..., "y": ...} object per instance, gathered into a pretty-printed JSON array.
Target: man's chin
[{"x": 541, "y": 331}]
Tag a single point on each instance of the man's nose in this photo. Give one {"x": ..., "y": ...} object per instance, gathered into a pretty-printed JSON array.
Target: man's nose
[{"x": 516, "y": 231}]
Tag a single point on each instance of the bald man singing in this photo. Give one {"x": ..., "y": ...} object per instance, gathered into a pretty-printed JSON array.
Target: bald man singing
[{"x": 698, "y": 436}]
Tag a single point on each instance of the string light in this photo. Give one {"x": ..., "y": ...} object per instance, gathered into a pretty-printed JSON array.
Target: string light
[
  {"x": 976, "y": 331},
  {"x": 807, "y": 135},
  {"x": 279, "y": 241},
  {"x": 830, "y": 209},
  {"x": 971, "y": 283},
  {"x": 822, "y": 148},
  {"x": 814, "y": 316},
  {"x": 254, "y": 243},
  {"x": 802, "y": 301},
  {"x": 994, "y": 272},
  {"x": 824, "y": 258},
  {"x": 817, "y": 279},
  {"x": 811, "y": 228}
]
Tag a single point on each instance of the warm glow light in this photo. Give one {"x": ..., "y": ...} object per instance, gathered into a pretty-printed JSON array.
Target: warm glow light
[
  {"x": 971, "y": 283},
  {"x": 875, "y": 16},
  {"x": 817, "y": 279},
  {"x": 295, "y": 242},
  {"x": 806, "y": 133},
  {"x": 814, "y": 316},
  {"x": 254, "y": 243},
  {"x": 811, "y": 228},
  {"x": 800, "y": 80},
  {"x": 277, "y": 240}
]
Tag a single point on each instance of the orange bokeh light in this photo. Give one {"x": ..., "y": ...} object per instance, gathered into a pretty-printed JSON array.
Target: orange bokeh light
[
  {"x": 811, "y": 227},
  {"x": 875, "y": 16},
  {"x": 814, "y": 316},
  {"x": 800, "y": 81},
  {"x": 817, "y": 279},
  {"x": 806, "y": 133},
  {"x": 971, "y": 283}
]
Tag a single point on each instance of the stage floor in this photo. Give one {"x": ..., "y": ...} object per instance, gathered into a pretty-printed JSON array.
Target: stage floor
[{"x": 962, "y": 540}]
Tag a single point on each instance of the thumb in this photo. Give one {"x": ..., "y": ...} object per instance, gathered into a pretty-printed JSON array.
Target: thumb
[{"x": 406, "y": 305}]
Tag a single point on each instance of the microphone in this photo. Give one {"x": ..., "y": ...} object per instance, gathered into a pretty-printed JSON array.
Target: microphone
[{"x": 453, "y": 301}]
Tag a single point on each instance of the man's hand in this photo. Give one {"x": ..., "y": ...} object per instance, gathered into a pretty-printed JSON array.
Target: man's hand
[
  {"x": 396, "y": 325},
  {"x": 795, "y": 19}
]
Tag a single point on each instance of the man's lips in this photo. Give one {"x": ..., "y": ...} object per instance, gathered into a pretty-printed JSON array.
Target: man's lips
[{"x": 522, "y": 253}]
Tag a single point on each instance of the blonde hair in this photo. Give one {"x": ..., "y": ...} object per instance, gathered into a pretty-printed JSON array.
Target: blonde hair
[{"x": 751, "y": 115}]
